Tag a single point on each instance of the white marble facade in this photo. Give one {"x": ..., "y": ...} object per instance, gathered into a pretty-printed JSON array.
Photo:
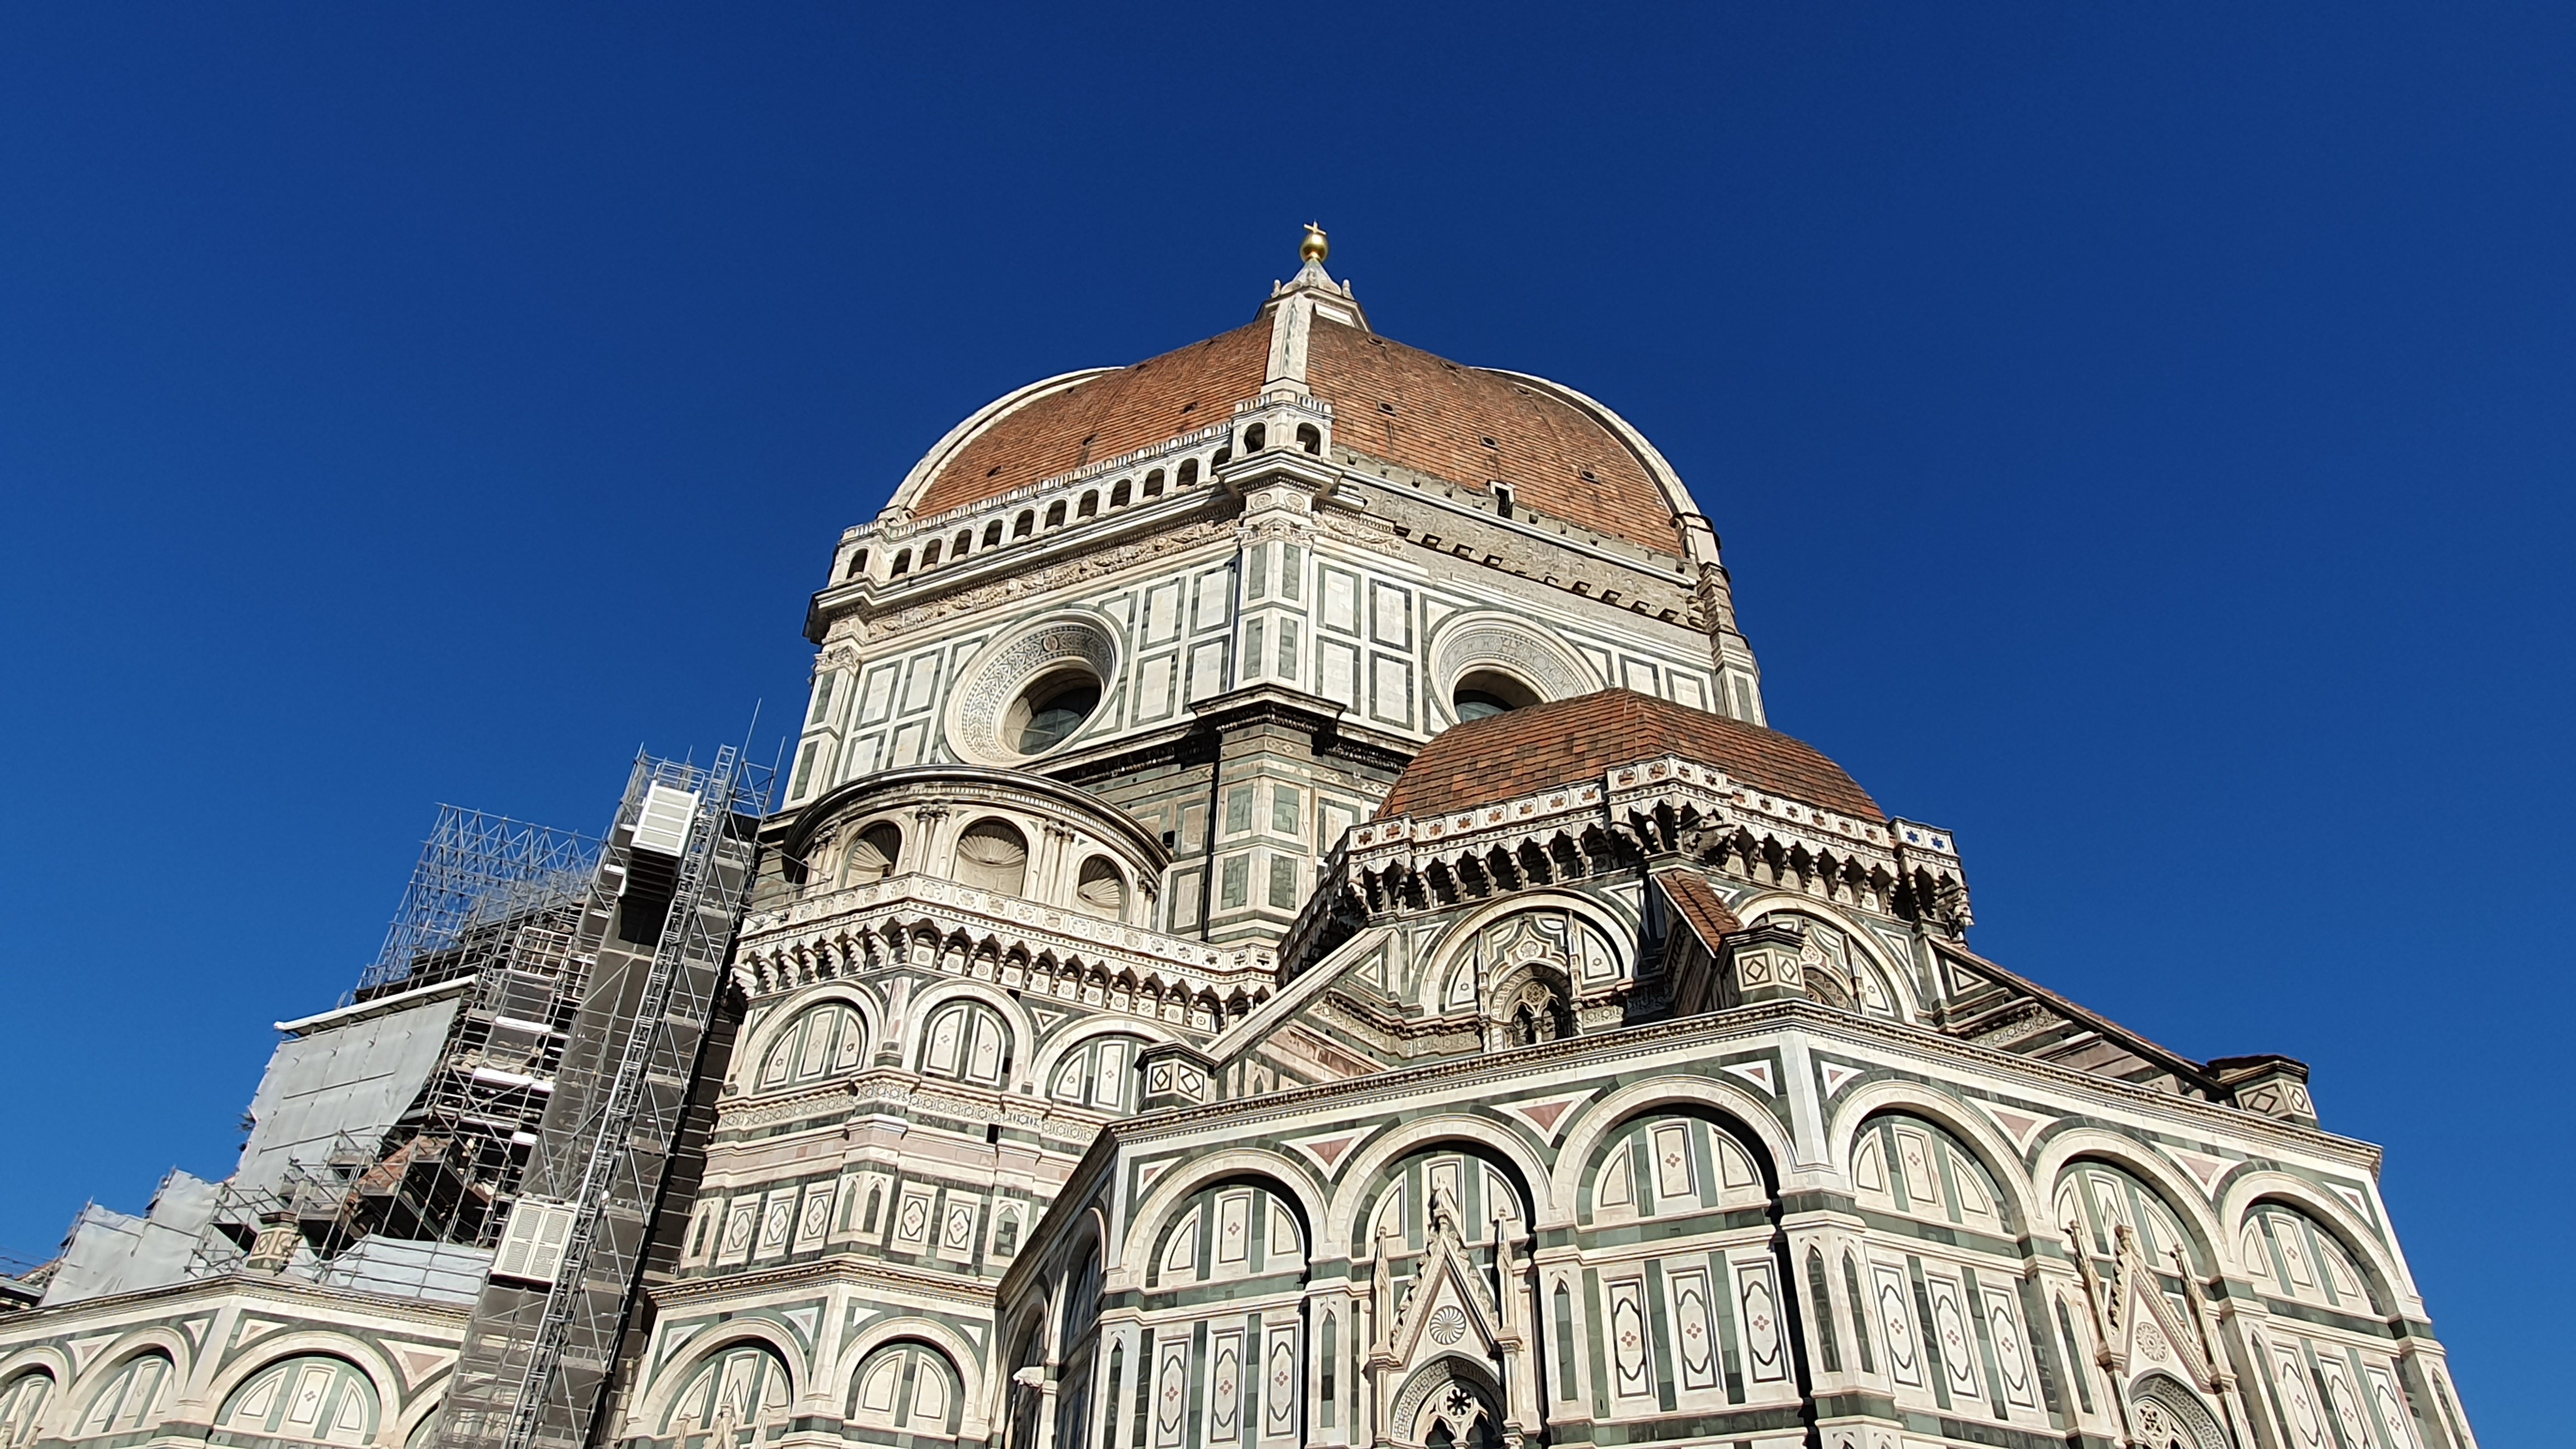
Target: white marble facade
[{"x": 1113, "y": 1068}]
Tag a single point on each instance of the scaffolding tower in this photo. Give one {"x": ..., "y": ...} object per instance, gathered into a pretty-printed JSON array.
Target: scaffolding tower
[
  {"x": 494, "y": 903},
  {"x": 653, "y": 936}
]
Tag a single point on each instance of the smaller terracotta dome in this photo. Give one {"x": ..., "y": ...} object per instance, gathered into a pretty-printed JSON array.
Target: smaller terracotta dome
[{"x": 1567, "y": 741}]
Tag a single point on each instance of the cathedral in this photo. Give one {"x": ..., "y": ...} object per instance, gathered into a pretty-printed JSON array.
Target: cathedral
[{"x": 1287, "y": 924}]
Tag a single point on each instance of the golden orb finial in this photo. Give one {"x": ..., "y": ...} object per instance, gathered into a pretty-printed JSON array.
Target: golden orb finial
[{"x": 1314, "y": 248}]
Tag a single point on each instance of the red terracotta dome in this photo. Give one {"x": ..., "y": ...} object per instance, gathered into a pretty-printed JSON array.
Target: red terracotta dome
[
  {"x": 1562, "y": 454},
  {"x": 1566, "y": 741}
]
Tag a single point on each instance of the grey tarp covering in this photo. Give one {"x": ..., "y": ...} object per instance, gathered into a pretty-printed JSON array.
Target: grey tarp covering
[
  {"x": 347, "y": 1071},
  {"x": 435, "y": 1272},
  {"x": 113, "y": 1252}
]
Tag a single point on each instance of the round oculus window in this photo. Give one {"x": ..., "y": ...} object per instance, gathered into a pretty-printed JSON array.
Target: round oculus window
[
  {"x": 1483, "y": 693},
  {"x": 1050, "y": 710},
  {"x": 1032, "y": 692}
]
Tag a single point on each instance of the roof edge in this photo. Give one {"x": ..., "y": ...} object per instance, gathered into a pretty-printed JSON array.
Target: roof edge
[{"x": 956, "y": 438}]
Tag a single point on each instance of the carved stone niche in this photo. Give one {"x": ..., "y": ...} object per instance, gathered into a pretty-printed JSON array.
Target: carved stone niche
[
  {"x": 1765, "y": 963},
  {"x": 2275, "y": 1086},
  {"x": 1176, "y": 1075}
]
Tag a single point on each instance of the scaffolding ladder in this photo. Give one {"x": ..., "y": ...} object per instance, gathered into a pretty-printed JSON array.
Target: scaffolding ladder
[{"x": 664, "y": 906}]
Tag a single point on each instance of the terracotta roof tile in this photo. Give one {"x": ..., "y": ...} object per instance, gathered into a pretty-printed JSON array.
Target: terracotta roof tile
[
  {"x": 1567, "y": 741},
  {"x": 1117, "y": 412},
  {"x": 1697, "y": 903},
  {"x": 1558, "y": 460},
  {"x": 1390, "y": 401}
]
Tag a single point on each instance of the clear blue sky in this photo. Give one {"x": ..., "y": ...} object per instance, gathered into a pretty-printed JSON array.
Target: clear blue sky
[{"x": 2141, "y": 437}]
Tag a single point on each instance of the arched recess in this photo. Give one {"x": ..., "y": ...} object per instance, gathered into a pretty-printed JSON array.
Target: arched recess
[
  {"x": 1993, "y": 1151},
  {"x": 758, "y": 1042},
  {"x": 1907, "y": 1162},
  {"x": 1134, "y": 1250},
  {"x": 963, "y": 1357},
  {"x": 1748, "y": 1114},
  {"x": 734, "y": 1395},
  {"x": 967, "y": 1041},
  {"x": 2287, "y": 1253},
  {"x": 908, "y": 1386},
  {"x": 304, "y": 1399},
  {"x": 129, "y": 1398},
  {"x": 2383, "y": 1273},
  {"x": 820, "y": 1040},
  {"x": 923, "y": 1015},
  {"x": 1246, "y": 1226},
  {"x": 1363, "y": 1179},
  {"x": 993, "y": 855},
  {"x": 1677, "y": 1160},
  {"x": 1051, "y": 1054},
  {"x": 2177, "y": 1192},
  {"x": 1849, "y": 948},
  {"x": 1099, "y": 1072},
  {"x": 1449, "y": 1402},
  {"x": 27, "y": 1394},
  {"x": 1583, "y": 942},
  {"x": 875, "y": 851},
  {"x": 2167, "y": 1414},
  {"x": 2097, "y": 1193},
  {"x": 378, "y": 1369}
]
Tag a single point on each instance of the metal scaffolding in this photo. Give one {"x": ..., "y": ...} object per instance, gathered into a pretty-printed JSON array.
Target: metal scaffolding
[
  {"x": 655, "y": 932},
  {"x": 494, "y": 905}
]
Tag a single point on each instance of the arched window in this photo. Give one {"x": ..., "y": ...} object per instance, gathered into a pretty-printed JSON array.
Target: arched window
[
  {"x": 969, "y": 1042},
  {"x": 827, "y": 1041},
  {"x": 131, "y": 1399},
  {"x": 1667, "y": 1164},
  {"x": 902, "y": 564},
  {"x": 872, "y": 855},
  {"x": 22, "y": 1408},
  {"x": 1154, "y": 484},
  {"x": 858, "y": 564},
  {"x": 1310, "y": 438},
  {"x": 1055, "y": 514},
  {"x": 1099, "y": 1073},
  {"x": 993, "y": 534},
  {"x": 964, "y": 540},
  {"x": 310, "y": 1400},
  {"x": 1119, "y": 497},
  {"x": 1255, "y": 438},
  {"x": 1090, "y": 507},
  {"x": 992, "y": 855},
  {"x": 1904, "y": 1164},
  {"x": 2290, "y": 1255},
  {"x": 737, "y": 1398},
  {"x": 1233, "y": 1230},
  {"x": 930, "y": 553},
  {"x": 1102, "y": 890},
  {"x": 1025, "y": 524},
  {"x": 907, "y": 1386},
  {"x": 1189, "y": 472}
]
